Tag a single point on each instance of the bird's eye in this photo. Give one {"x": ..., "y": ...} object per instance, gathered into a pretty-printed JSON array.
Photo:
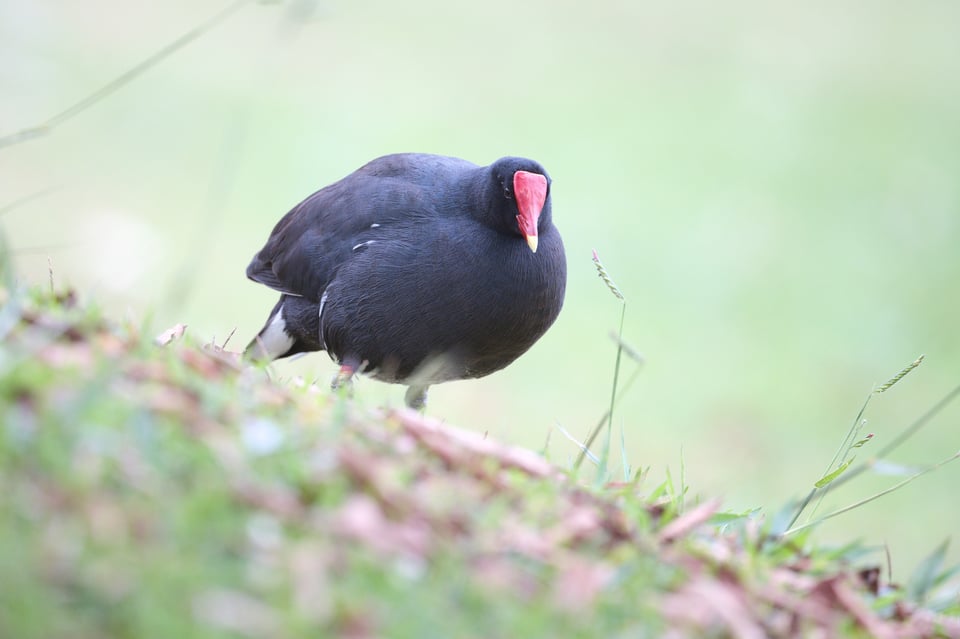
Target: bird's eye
[{"x": 507, "y": 194}]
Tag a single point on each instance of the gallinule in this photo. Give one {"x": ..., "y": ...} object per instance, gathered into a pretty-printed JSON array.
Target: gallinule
[{"x": 415, "y": 269}]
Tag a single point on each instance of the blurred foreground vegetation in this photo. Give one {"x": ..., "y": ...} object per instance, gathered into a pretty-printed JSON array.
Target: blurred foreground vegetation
[
  {"x": 773, "y": 186},
  {"x": 155, "y": 488}
]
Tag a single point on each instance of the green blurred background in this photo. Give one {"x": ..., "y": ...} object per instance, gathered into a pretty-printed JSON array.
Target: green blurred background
[{"x": 775, "y": 188}]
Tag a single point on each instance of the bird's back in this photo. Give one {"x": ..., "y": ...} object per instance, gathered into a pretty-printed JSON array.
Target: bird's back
[{"x": 309, "y": 244}]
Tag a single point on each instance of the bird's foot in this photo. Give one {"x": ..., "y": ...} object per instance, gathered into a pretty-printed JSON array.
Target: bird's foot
[
  {"x": 416, "y": 397},
  {"x": 343, "y": 382}
]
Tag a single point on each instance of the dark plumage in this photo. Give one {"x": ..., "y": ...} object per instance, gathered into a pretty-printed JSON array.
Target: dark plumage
[{"x": 416, "y": 269}]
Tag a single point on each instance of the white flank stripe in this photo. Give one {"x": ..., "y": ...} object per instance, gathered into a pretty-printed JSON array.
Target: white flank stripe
[{"x": 323, "y": 301}]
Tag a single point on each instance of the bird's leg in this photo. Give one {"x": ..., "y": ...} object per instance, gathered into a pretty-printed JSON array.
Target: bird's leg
[
  {"x": 344, "y": 378},
  {"x": 416, "y": 396}
]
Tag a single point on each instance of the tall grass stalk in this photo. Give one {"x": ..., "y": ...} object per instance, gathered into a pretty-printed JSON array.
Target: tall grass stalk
[
  {"x": 605, "y": 276},
  {"x": 841, "y": 470},
  {"x": 867, "y": 500}
]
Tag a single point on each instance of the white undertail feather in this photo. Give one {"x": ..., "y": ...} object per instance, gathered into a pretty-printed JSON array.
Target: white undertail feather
[{"x": 274, "y": 339}]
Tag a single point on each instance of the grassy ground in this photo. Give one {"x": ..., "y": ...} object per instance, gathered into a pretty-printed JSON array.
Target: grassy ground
[{"x": 154, "y": 488}]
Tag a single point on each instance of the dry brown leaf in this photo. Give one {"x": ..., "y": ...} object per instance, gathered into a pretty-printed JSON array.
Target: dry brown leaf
[
  {"x": 279, "y": 501},
  {"x": 175, "y": 332},
  {"x": 853, "y": 602},
  {"x": 67, "y": 355},
  {"x": 799, "y": 606},
  {"x": 501, "y": 574},
  {"x": 933, "y": 624},
  {"x": 361, "y": 519},
  {"x": 230, "y": 358},
  {"x": 367, "y": 471},
  {"x": 110, "y": 344},
  {"x": 576, "y": 525},
  {"x": 431, "y": 432},
  {"x": 207, "y": 365},
  {"x": 688, "y": 522},
  {"x": 578, "y": 582},
  {"x": 705, "y": 603},
  {"x": 518, "y": 537}
]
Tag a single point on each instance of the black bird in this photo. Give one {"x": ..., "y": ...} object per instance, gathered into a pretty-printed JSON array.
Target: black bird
[{"x": 415, "y": 269}]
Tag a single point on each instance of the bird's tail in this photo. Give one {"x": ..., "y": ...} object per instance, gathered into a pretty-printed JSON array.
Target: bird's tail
[{"x": 292, "y": 327}]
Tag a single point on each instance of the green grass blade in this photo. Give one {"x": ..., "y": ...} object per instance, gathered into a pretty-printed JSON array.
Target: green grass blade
[
  {"x": 873, "y": 497},
  {"x": 827, "y": 479}
]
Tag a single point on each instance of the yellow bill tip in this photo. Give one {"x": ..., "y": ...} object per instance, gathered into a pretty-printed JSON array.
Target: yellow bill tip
[{"x": 532, "y": 242}]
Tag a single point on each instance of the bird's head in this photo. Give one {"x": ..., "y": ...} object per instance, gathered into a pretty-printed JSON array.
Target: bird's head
[{"x": 525, "y": 188}]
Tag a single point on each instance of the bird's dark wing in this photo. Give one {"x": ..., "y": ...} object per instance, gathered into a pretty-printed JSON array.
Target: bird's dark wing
[{"x": 310, "y": 243}]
